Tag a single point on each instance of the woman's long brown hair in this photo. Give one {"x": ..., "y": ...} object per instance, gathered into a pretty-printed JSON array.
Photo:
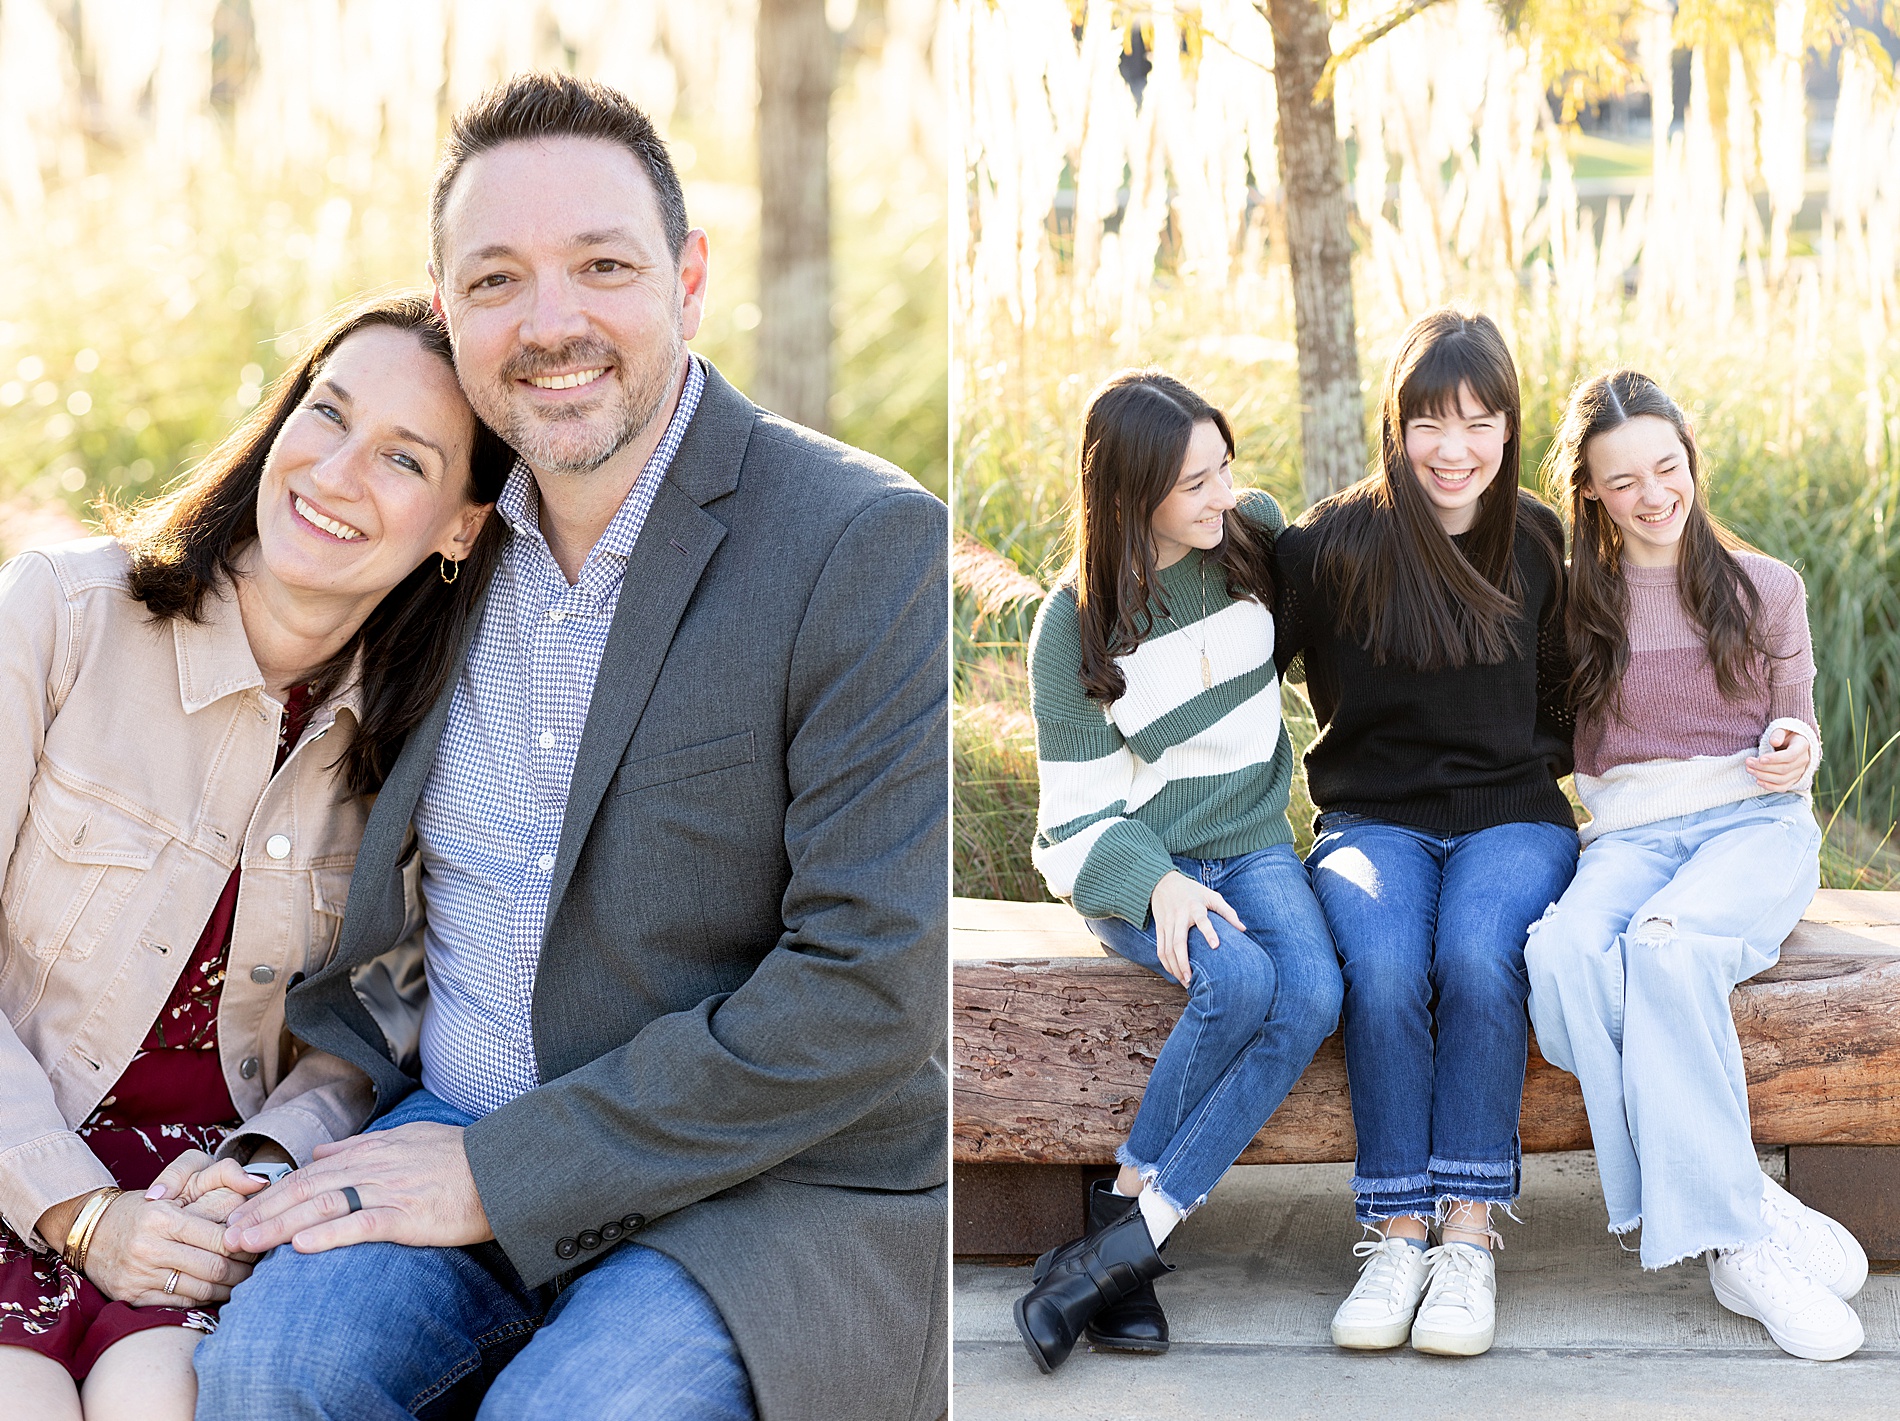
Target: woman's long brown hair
[
  {"x": 1400, "y": 584},
  {"x": 1716, "y": 593},
  {"x": 184, "y": 545},
  {"x": 1134, "y": 444}
]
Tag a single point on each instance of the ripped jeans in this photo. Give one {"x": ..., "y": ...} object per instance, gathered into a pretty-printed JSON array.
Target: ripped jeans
[
  {"x": 1431, "y": 935},
  {"x": 1630, "y": 979}
]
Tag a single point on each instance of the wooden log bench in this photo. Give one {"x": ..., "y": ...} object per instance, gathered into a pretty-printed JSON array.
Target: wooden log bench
[{"x": 1052, "y": 1038}]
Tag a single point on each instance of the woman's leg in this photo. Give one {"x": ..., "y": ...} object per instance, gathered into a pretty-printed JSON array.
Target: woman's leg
[
  {"x": 1378, "y": 886},
  {"x": 144, "y": 1377},
  {"x": 1751, "y": 872},
  {"x": 1575, "y": 961},
  {"x": 1230, "y": 990},
  {"x": 1271, "y": 893},
  {"x": 1496, "y": 883},
  {"x": 37, "y": 1386}
]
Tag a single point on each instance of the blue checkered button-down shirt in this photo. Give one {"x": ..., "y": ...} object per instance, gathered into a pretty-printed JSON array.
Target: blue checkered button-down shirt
[{"x": 489, "y": 821}]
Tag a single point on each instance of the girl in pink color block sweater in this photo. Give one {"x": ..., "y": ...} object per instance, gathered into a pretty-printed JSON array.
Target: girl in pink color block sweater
[{"x": 1695, "y": 750}]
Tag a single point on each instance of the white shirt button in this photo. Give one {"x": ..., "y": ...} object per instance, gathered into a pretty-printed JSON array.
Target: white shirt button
[
  {"x": 277, "y": 846},
  {"x": 546, "y": 862},
  {"x": 547, "y": 740},
  {"x": 556, "y": 615}
]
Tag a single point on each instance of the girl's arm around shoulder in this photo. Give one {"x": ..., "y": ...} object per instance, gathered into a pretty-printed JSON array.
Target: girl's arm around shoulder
[{"x": 1260, "y": 508}]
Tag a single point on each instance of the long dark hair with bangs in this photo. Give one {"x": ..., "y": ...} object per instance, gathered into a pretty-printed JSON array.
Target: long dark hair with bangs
[
  {"x": 1134, "y": 444},
  {"x": 1716, "y": 593},
  {"x": 184, "y": 547},
  {"x": 1400, "y": 583}
]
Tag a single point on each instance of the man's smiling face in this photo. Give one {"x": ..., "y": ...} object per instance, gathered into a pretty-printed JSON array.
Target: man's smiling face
[{"x": 569, "y": 315}]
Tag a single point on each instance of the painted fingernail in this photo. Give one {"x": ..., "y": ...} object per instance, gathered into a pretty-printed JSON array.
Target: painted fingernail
[{"x": 157, "y": 1191}]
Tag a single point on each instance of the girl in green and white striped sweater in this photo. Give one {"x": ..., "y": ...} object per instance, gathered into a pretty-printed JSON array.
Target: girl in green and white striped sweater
[{"x": 1165, "y": 771}]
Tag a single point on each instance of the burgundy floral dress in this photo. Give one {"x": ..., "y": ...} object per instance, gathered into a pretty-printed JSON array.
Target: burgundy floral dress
[{"x": 171, "y": 1098}]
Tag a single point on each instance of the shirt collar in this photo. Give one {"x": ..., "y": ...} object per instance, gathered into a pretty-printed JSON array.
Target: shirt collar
[
  {"x": 215, "y": 658},
  {"x": 520, "y": 503}
]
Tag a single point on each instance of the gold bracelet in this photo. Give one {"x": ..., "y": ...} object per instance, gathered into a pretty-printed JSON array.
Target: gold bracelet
[{"x": 79, "y": 1237}]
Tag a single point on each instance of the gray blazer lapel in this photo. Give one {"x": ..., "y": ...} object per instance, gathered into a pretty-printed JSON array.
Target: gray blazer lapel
[
  {"x": 376, "y": 908},
  {"x": 675, "y": 544}
]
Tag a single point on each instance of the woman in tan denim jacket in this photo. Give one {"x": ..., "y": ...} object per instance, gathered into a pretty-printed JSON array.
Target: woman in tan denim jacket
[{"x": 193, "y": 717}]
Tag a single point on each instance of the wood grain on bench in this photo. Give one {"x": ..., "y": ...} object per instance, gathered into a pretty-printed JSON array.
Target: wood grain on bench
[{"x": 1053, "y": 1038}]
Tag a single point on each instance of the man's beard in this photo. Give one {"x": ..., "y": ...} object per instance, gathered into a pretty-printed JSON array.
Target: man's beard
[{"x": 577, "y": 439}]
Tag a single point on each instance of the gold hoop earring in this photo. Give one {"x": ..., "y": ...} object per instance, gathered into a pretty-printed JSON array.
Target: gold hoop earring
[{"x": 450, "y": 569}]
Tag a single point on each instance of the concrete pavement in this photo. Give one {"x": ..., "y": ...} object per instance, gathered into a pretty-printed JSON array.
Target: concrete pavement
[{"x": 1583, "y": 1331}]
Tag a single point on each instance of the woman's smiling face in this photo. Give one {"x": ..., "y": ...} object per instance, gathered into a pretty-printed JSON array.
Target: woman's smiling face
[
  {"x": 1455, "y": 455},
  {"x": 1639, "y": 472},
  {"x": 1193, "y": 513},
  {"x": 370, "y": 474}
]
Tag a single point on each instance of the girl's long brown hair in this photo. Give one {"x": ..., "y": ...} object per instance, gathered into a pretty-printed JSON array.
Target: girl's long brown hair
[
  {"x": 1134, "y": 443},
  {"x": 1399, "y": 582},
  {"x": 184, "y": 544},
  {"x": 1718, "y": 596}
]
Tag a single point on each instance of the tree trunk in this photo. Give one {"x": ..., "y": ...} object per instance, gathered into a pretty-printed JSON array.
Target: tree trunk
[
  {"x": 798, "y": 63},
  {"x": 1319, "y": 249}
]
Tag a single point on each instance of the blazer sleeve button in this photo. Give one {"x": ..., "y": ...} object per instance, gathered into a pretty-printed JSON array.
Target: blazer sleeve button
[
  {"x": 634, "y": 1221},
  {"x": 612, "y": 1231},
  {"x": 589, "y": 1239},
  {"x": 566, "y": 1248}
]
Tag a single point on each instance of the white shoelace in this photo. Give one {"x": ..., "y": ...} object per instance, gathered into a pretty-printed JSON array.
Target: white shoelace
[
  {"x": 1767, "y": 1267},
  {"x": 1458, "y": 1277},
  {"x": 1383, "y": 1269}
]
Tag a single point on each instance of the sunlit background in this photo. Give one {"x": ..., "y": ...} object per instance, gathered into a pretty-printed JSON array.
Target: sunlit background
[
  {"x": 1706, "y": 190},
  {"x": 187, "y": 185}
]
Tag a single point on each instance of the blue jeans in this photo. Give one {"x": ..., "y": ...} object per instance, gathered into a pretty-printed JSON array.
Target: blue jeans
[
  {"x": 1431, "y": 936},
  {"x": 1630, "y": 980},
  {"x": 382, "y": 1331},
  {"x": 1258, "y": 1007}
]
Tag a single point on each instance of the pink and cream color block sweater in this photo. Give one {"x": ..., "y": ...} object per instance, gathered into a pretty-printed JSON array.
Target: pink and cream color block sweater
[{"x": 1678, "y": 745}]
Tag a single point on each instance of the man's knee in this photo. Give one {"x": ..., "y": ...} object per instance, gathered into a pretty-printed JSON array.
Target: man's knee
[{"x": 636, "y": 1338}]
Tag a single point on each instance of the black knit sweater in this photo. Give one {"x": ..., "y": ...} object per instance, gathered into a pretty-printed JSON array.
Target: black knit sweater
[{"x": 1449, "y": 752}]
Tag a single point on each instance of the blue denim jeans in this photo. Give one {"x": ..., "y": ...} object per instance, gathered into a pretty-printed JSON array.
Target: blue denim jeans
[
  {"x": 1258, "y": 1007},
  {"x": 382, "y": 1331},
  {"x": 1431, "y": 936},
  {"x": 1630, "y": 980}
]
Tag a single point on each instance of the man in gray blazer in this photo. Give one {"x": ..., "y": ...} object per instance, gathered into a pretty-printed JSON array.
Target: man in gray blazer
[{"x": 679, "y": 824}]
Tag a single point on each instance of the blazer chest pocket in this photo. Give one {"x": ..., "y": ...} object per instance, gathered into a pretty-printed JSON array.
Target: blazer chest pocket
[
  {"x": 78, "y": 861},
  {"x": 684, "y": 764}
]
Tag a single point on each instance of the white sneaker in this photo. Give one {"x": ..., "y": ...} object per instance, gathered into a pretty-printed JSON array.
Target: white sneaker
[
  {"x": 1378, "y": 1311},
  {"x": 1801, "y": 1315},
  {"x": 1459, "y": 1315},
  {"x": 1817, "y": 1243}
]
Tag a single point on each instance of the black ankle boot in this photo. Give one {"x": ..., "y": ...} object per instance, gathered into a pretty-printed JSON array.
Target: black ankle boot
[
  {"x": 1136, "y": 1323},
  {"x": 1081, "y": 1278}
]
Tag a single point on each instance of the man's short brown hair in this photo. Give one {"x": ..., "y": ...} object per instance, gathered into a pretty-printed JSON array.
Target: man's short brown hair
[{"x": 533, "y": 106}]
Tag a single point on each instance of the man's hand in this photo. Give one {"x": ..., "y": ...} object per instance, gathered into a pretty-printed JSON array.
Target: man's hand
[
  {"x": 1782, "y": 768},
  {"x": 413, "y": 1181}
]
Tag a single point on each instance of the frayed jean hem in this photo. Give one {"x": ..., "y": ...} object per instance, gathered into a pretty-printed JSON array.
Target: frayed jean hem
[{"x": 1429, "y": 1194}]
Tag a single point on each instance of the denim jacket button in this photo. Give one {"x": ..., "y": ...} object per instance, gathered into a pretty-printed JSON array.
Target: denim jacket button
[
  {"x": 277, "y": 846},
  {"x": 263, "y": 975}
]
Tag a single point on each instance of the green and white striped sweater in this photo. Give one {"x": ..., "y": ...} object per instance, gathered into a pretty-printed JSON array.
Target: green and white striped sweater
[{"x": 1171, "y": 767}]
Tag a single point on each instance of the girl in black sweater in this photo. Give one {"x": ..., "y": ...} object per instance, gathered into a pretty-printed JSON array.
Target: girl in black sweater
[{"x": 1426, "y": 604}]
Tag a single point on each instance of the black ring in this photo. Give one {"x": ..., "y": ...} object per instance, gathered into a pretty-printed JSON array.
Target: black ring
[{"x": 352, "y": 1198}]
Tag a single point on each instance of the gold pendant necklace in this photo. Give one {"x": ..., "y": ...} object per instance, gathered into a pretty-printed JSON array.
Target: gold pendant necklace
[{"x": 1207, "y": 667}]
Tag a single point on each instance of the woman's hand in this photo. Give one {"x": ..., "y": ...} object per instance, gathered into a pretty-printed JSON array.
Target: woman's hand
[
  {"x": 1179, "y": 903},
  {"x": 138, "y": 1244},
  {"x": 1782, "y": 768}
]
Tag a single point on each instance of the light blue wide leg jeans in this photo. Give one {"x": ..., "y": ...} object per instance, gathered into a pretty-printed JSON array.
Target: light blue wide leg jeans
[{"x": 1630, "y": 978}]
